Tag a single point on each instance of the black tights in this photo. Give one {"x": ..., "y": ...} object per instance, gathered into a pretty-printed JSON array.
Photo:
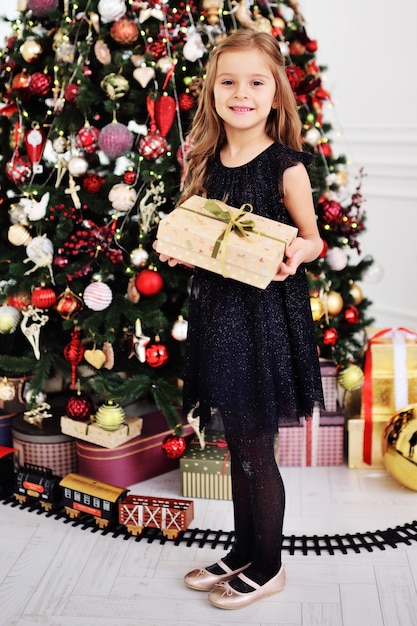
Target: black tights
[{"x": 259, "y": 503}]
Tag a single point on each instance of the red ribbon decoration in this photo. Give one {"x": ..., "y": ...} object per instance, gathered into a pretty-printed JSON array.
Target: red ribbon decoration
[{"x": 367, "y": 392}]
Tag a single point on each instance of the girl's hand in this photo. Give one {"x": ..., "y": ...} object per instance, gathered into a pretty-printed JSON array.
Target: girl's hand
[
  {"x": 169, "y": 259},
  {"x": 296, "y": 253}
]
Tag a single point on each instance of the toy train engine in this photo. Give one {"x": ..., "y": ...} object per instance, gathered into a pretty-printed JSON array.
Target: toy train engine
[
  {"x": 80, "y": 494},
  {"x": 169, "y": 515},
  {"x": 7, "y": 460},
  {"x": 36, "y": 483}
]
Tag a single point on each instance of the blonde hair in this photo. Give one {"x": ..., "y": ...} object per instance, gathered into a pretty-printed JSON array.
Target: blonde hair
[{"x": 207, "y": 132}]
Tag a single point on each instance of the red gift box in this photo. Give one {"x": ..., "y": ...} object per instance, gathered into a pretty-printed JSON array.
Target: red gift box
[{"x": 136, "y": 460}]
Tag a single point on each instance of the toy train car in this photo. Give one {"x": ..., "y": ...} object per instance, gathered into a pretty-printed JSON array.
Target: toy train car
[
  {"x": 33, "y": 482},
  {"x": 84, "y": 495},
  {"x": 78, "y": 495},
  {"x": 169, "y": 515}
]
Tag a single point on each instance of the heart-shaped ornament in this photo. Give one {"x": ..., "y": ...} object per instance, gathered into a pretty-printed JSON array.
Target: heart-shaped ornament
[
  {"x": 143, "y": 75},
  {"x": 95, "y": 357}
]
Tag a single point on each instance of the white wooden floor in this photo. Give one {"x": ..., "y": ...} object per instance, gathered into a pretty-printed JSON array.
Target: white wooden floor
[{"x": 57, "y": 575}]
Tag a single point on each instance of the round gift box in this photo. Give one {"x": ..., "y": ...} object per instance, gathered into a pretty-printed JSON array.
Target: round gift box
[
  {"x": 6, "y": 429},
  {"x": 46, "y": 446}
]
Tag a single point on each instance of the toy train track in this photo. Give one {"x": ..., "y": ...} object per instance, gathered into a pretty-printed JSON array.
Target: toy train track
[{"x": 301, "y": 545}]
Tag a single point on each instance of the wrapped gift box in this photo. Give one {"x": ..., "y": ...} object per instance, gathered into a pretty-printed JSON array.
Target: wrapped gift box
[
  {"x": 390, "y": 381},
  {"x": 355, "y": 435},
  {"x": 46, "y": 445},
  {"x": 206, "y": 473},
  {"x": 308, "y": 445},
  {"x": 93, "y": 433},
  {"x": 136, "y": 460},
  {"x": 329, "y": 383},
  {"x": 195, "y": 236}
]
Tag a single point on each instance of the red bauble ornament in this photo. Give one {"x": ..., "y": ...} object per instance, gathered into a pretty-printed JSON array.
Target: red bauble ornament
[
  {"x": 80, "y": 407},
  {"x": 330, "y": 337},
  {"x": 186, "y": 102},
  {"x": 165, "y": 109},
  {"x": 43, "y": 297},
  {"x": 20, "y": 83},
  {"x": 129, "y": 177},
  {"x": 174, "y": 446},
  {"x": 19, "y": 169},
  {"x": 68, "y": 304},
  {"x": 115, "y": 140},
  {"x": 74, "y": 353},
  {"x": 351, "y": 314},
  {"x": 324, "y": 249},
  {"x": 20, "y": 301},
  {"x": 149, "y": 282},
  {"x": 40, "y": 84},
  {"x": 152, "y": 146},
  {"x": 87, "y": 138},
  {"x": 71, "y": 92},
  {"x": 330, "y": 211},
  {"x": 124, "y": 31},
  {"x": 156, "y": 354},
  {"x": 92, "y": 183}
]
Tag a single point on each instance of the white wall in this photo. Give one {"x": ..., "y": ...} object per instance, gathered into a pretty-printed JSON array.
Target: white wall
[{"x": 370, "y": 50}]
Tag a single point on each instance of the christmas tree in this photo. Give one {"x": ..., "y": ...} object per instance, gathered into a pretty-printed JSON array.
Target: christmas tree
[{"x": 96, "y": 103}]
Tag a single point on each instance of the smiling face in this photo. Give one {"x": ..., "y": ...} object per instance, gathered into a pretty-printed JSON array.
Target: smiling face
[{"x": 244, "y": 90}]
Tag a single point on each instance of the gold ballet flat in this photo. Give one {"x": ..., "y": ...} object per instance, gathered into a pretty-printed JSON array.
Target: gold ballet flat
[
  {"x": 223, "y": 596},
  {"x": 203, "y": 580}
]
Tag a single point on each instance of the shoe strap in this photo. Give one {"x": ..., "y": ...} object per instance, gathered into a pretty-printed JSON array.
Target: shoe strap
[
  {"x": 248, "y": 581},
  {"x": 224, "y": 567}
]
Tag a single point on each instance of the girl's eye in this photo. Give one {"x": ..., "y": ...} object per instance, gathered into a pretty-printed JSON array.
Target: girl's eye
[
  {"x": 227, "y": 82},
  {"x": 257, "y": 82}
]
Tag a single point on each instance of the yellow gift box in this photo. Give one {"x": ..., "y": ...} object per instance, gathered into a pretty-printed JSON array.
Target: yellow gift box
[
  {"x": 391, "y": 368},
  {"x": 235, "y": 243}
]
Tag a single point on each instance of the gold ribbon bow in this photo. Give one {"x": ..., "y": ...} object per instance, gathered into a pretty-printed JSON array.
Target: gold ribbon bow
[{"x": 234, "y": 224}]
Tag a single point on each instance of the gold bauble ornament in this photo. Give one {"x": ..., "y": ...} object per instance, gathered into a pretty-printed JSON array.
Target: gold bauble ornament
[
  {"x": 317, "y": 308},
  {"x": 399, "y": 446},
  {"x": 30, "y": 50},
  {"x": 110, "y": 416},
  {"x": 350, "y": 377},
  {"x": 356, "y": 293},
  {"x": 334, "y": 303}
]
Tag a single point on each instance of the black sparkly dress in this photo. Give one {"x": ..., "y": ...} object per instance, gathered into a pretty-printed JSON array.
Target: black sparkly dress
[{"x": 251, "y": 353}]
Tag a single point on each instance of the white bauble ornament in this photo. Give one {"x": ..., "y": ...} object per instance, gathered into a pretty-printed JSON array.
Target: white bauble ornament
[
  {"x": 40, "y": 250},
  {"x": 111, "y": 10},
  {"x": 373, "y": 274},
  {"x": 77, "y": 166},
  {"x": 180, "y": 329},
  {"x": 9, "y": 319},
  {"x": 165, "y": 64},
  {"x": 122, "y": 197},
  {"x": 194, "y": 47},
  {"x": 139, "y": 257},
  {"x": 97, "y": 296},
  {"x": 312, "y": 137},
  {"x": 336, "y": 258}
]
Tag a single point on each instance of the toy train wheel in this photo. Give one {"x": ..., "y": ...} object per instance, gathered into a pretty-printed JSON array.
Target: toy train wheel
[
  {"x": 134, "y": 530},
  {"x": 100, "y": 522},
  {"x": 170, "y": 533},
  {"x": 20, "y": 498},
  {"x": 47, "y": 506},
  {"x": 72, "y": 513}
]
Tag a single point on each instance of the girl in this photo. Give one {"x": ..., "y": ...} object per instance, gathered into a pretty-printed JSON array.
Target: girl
[{"x": 251, "y": 353}]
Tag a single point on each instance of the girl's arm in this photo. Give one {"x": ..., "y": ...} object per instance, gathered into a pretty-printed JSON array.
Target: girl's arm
[{"x": 298, "y": 201}]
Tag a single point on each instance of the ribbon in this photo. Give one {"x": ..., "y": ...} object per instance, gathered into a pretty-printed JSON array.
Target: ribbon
[
  {"x": 220, "y": 443},
  {"x": 398, "y": 336},
  {"x": 241, "y": 228}
]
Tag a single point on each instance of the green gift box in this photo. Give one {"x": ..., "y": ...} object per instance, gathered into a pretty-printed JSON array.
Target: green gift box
[{"x": 205, "y": 473}]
